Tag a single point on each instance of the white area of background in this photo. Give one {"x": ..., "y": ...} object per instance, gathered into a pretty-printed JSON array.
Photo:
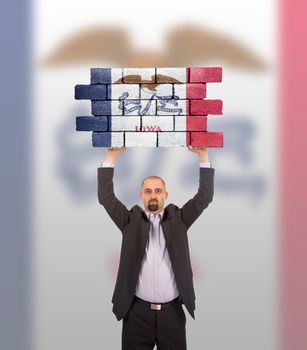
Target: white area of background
[{"x": 233, "y": 244}]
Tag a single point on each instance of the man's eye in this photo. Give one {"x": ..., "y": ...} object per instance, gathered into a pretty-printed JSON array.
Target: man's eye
[
  {"x": 158, "y": 191},
  {"x": 147, "y": 191}
]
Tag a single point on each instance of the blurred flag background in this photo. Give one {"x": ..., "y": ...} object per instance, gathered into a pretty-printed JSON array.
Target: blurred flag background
[{"x": 60, "y": 251}]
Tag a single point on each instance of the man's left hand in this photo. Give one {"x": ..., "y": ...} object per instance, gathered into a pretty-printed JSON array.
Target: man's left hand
[{"x": 202, "y": 153}]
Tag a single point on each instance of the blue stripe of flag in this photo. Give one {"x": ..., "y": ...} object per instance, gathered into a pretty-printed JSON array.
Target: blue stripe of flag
[
  {"x": 102, "y": 76},
  {"x": 101, "y": 139}
]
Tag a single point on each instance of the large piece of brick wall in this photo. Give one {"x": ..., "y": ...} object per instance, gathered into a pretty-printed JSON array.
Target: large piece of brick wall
[{"x": 155, "y": 107}]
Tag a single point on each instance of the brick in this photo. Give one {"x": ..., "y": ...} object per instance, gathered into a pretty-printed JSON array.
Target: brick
[
  {"x": 107, "y": 139},
  {"x": 155, "y": 123},
  {"x": 106, "y": 108},
  {"x": 180, "y": 91},
  {"x": 180, "y": 122},
  {"x": 205, "y": 75},
  {"x": 90, "y": 92},
  {"x": 207, "y": 139},
  {"x": 190, "y": 123},
  {"x": 147, "y": 91},
  {"x": 120, "y": 91},
  {"x": 125, "y": 123},
  {"x": 140, "y": 107},
  {"x": 139, "y": 75},
  {"x": 172, "y": 107},
  {"x": 172, "y": 139},
  {"x": 204, "y": 107},
  {"x": 101, "y": 139},
  {"x": 106, "y": 75},
  {"x": 141, "y": 139},
  {"x": 117, "y": 139},
  {"x": 171, "y": 75},
  {"x": 91, "y": 123},
  {"x": 196, "y": 91},
  {"x": 190, "y": 91},
  {"x": 196, "y": 123}
]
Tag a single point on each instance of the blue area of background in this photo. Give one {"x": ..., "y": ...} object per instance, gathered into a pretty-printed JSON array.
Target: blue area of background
[{"x": 15, "y": 198}]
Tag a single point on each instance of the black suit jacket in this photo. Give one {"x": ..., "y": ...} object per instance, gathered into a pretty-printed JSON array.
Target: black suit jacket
[{"x": 134, "y": 226}]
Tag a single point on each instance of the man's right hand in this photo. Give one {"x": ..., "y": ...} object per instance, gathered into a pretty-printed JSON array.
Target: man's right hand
[{"x": 112, "y": 153}]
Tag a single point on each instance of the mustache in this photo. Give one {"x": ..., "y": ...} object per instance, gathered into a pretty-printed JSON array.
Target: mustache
[{"x": 153, "y": 201}]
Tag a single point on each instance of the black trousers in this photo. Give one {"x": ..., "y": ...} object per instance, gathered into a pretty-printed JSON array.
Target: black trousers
[{"x": 143, "y": 328}]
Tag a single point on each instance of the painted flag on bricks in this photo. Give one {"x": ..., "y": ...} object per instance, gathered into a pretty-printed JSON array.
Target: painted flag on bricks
[{"x": 155, "y": 107}]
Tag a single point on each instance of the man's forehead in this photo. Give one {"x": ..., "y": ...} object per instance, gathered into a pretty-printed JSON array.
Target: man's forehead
[{"x": 153, "y": 183}]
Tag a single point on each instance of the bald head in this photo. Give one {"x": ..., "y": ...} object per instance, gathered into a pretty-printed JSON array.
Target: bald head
[
  {"x": 153, "y": 177},
  {"x": 153, "y": 193}
]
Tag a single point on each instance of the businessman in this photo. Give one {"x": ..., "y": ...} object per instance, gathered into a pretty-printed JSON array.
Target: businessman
[{"x": 154, "y": 277}]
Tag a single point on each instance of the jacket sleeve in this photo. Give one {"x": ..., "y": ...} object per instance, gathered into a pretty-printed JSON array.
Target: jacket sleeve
[
  {"x": 114, "y": 207},
  {"x": 195, "y": 206}
]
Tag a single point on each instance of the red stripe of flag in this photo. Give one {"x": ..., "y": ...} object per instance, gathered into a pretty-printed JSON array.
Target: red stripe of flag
[{"x": 293, "y": 171}]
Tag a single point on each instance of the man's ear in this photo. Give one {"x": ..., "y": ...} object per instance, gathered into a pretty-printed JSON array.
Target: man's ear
[{"x": 166, "y": 195}]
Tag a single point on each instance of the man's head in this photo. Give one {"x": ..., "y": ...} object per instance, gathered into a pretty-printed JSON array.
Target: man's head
[{"x": 153, "y": 194}]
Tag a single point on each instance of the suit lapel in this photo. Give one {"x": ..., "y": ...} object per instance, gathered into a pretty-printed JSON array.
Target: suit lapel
[
  {"x": 166, "y": 226},
  {"x": 145, "y": 226}
]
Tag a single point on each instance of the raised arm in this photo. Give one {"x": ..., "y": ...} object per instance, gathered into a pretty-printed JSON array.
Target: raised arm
[
  {"x": 195, "y": 206},
  {"x": 114, "y": 207}
]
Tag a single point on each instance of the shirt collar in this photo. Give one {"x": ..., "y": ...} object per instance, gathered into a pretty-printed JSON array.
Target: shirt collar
[{"x": 160, "y": 214}]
